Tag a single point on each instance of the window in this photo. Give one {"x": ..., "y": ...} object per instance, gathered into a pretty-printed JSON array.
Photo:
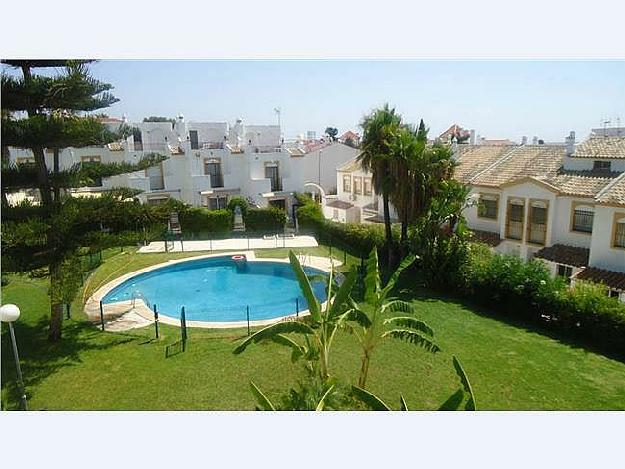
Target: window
[
  {"x": 193, "y": 139},
  {"x": 488, "y": 207},
  {"x": 618, "y": 240},
  {"x": 347, "y": 183},
  {"x": 218, "y": 202},
  {"x": 278, "y": 203},
  {"x": 367, "y": 186},
  {"x": 583, "y": 217},
  {"x": 358, "y": 185},
  {"x": 537, "y": 229},
  {"x": 602, "y": 166},
  {"x": 157, "y": 200},
  {"x": 565, "y": 270},
  {"x": 514, "y": 225},
  {"x": 272, "y": 173},
  {"x": 212, "y": 168}
]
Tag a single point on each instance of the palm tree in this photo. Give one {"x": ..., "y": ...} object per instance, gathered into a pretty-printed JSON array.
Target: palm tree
[
  {"x": 406, "y": 166},
  {"x": 316, "y": 333},
  {"x": 375, "y": 156},
  {"x": 375, "y": 320}
]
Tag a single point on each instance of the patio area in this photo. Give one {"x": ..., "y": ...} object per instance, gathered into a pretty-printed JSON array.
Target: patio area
[{"x": 272, "y": 242}]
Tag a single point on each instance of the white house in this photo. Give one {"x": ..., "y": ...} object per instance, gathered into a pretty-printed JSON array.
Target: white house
[
  {"x": 562, "y": 203},
  {"x": 210, "y": 162}
]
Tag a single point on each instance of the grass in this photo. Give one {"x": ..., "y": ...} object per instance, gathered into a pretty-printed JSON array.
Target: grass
[{"x": 510, "y": 367}]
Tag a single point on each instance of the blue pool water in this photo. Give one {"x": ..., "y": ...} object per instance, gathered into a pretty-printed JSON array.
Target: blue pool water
[{"x": 219, "y": 289}]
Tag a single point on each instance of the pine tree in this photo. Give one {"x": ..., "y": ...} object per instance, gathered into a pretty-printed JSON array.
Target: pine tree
[{"x": 44, "y": 111}]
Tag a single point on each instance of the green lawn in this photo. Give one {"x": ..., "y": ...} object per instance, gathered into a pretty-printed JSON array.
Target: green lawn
[{"x": 510, "y": 367}]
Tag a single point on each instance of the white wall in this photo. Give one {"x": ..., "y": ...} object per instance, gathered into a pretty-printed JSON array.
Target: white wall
[{"x": 602, "y": 254}]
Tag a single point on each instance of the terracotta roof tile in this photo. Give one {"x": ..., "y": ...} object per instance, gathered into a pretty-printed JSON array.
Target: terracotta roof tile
[
  {"x": 563, "y": 254},
  {"x": 475, "y": 158},
  {"x": 350, "y": 166},
  {"x": 610, "y": 279},
  {"x": 487, "y": 237},
  {"x": 523, "y": 161},
  {"x": 614, "y": 194},
  {"x": 601, "y": 147}
]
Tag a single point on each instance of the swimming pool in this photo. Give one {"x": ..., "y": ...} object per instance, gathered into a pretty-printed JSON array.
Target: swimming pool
[{"x": 218, "y": 289}]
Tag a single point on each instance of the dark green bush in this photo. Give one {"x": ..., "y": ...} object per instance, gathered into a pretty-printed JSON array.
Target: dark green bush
[
  {"x": 525, "y": 290},
  {"x": 268, "y": 219},
  {"x": 201, "y": 220}
]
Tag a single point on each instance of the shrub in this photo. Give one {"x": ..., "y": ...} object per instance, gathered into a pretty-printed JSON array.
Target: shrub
[
  {"x": 201, "y": 220},
  {"x": 525, "y": 290},
  {"x": 265, "y": 219}
]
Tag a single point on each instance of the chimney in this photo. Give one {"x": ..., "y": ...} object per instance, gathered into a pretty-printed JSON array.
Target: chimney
[
  {"x": 524, "y": 140},
  {"x": 534, "y": 140},
  {"x": 570, "y": 143},
  {"x": 472, "y": 137}
]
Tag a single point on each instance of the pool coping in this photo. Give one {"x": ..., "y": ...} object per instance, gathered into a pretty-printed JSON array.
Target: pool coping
[{"x": 119, "y": 308}]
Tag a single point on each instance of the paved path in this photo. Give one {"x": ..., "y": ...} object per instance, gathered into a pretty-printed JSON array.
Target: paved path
[{"x": 233, "y": 244}]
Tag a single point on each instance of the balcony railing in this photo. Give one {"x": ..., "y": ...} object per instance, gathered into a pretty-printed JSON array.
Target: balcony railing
[{"x": 514, "y": 230}]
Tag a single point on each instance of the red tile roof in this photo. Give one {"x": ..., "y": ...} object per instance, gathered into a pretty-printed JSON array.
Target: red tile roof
[
  {"x": 610, "y": 279},
  {"x": 563, "y": 254}
]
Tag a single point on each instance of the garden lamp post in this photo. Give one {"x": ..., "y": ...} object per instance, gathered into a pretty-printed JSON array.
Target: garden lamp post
[{"x": 10, "y": 313}]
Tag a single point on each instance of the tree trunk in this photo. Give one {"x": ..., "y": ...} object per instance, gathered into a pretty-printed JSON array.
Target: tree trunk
[
  {"x": 42, "y": 177},
  {"x": 55, "y": 188},
  {"x": 56, "y": 307},
  {"x": 364, "y": 370},
  {"x": 387, "y": 229}
]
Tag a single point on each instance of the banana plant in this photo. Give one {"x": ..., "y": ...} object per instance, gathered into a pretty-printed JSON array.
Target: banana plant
[
  {"x": 454, "y": 402},
  {"x": 314, "y": 335},
  {"x": 377, "y": 319}
]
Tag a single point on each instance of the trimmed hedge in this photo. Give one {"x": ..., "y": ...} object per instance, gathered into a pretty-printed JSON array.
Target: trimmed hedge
[
  {"x": 265, "y": 219},
  {"x": 355, "y": 238},
  {"x": 201, "y": 220}
]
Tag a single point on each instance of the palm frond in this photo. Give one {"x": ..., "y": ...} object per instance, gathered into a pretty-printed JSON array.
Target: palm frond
[
  {"x": 402, "y": 403},
  {"x": 322, "y": 401},
  {"x": 471, "y": 404},
  {"x": 269, "y": 332},
  {"x": 263, "y": 401},
  {"x": 372, "y": 401},
  {"x": 397, "y": 306},
  {"x": 413, "y": 337},
  {"x": 407, "y": 262},
  {"x": 410, "y": 323},
  {"x": 342, "y": 294},
  {"x": 297, "y": 350},
  {"x": 304, "y": 284}
]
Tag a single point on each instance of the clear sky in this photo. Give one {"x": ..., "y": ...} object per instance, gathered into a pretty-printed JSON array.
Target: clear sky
[{"x": 499, "y": 99}]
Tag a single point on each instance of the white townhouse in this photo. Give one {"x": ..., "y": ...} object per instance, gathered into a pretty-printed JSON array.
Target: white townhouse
[
  {"x": 210, "y": 162},
  {"x": 561, "y": 203}
]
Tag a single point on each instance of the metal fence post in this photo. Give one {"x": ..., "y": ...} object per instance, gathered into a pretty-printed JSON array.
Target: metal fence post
[
  {"x": 102, "y": 315},
  {"x": 183, "y": 329},
  {"x": 156, "y": 320},
  {"x": 248, "y": 320},
  {"x": 297, "y": 308}
]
